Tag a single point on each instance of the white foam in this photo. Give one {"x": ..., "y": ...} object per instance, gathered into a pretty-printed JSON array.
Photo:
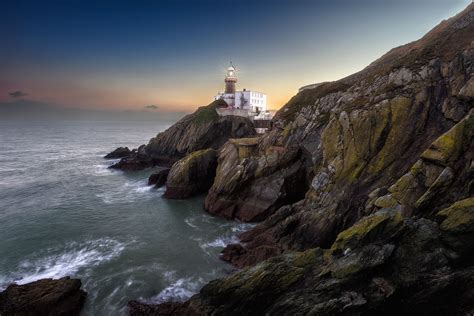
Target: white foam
[
  {"x": 67, "y": 263},
  {"x": 179, "y": 291},
  {"x": 128, "y": 192},
  {"x": 190, "y": 223},
  {"x": 221, "y": 242},
  {"x": 102, "y": 170},
  {"x": 243, "y": 227}
]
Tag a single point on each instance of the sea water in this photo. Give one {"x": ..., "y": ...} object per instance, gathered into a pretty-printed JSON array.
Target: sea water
[{"x": 64, "y": 213}]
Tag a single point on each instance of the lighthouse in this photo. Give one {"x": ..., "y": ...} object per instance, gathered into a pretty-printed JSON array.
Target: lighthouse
[
  {"x": 248, "y": 103},
  {"x": 230, "y": 80}
]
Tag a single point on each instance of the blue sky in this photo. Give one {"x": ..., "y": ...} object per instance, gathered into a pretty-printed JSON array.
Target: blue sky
[{"x": 128, "y": 54}]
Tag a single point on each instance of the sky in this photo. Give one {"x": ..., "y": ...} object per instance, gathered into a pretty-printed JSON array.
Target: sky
[{"x": 173, "y": 54}]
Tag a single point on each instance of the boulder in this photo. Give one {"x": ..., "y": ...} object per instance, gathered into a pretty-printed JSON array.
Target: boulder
[
  {"x": 43, "y": 297},
  {"x": 158, "y": 179},
  {"x": 192, "y": 175},
  {"x": 120, "y": 152}
]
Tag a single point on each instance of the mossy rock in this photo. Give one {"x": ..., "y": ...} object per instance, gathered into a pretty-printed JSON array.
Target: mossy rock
[
  {"x": 448, "y": 146},
  {"x": 386, "y": 201},
  {"x": 208, "y": 113},
  {"x": 379, "y": 226},
  {"x": 459, "y": 217}
]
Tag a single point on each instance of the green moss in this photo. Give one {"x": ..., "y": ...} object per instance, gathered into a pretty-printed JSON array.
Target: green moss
[
  {"x": 385, "y": 201},
  {"x": 459, "y": 217},
  {"x": 286, "y": 131},
  {"x": 448, "y": 146},
  {"x": 346, "y": 270},
  {"x": 208, "y": 113},
  {"x": 308, "y": 257},
  {"x": 379, "y": 225}
]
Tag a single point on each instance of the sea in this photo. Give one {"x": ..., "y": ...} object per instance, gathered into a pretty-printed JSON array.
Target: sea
[{"x": 63, "y": 212}]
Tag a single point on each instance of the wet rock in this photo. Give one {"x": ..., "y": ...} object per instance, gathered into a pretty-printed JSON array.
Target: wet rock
[
  {"x": 120, "y": 152},
  {"x": 158, "y": 179},
  {"x": 137, "y": 308},
  {"x": 192, "y": 175},
  {"x": 44, "y": 297}
]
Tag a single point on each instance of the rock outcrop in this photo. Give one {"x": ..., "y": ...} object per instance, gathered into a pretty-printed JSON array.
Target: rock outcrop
[
  {"x": 120, "y": 152},
  {"x": 202, "y": 129},
  {"x": 158, "y": 179},
  {"x": 382, "y": 222},
  {"x": 44, "y": 297},
  {"x": 192, "y": 175},
  {"x": 253, "y": 182}
]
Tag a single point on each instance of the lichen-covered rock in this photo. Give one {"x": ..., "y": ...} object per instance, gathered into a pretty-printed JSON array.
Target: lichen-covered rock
[
  {"x": 200, "y": 130},
  {"x": 191, "y": 175},
  {"x": 386, "y": 223},
  {"x": 459, "y": 217},
  {"x": 43, "y": 297}
]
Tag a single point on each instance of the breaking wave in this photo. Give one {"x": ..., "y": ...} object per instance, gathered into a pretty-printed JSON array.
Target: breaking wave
[{"x": 76, "y": 257}]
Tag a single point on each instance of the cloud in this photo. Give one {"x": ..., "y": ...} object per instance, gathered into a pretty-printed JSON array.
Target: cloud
[
  {"x": 18, "y": 94},
  {"x": 151, "y": 107}
]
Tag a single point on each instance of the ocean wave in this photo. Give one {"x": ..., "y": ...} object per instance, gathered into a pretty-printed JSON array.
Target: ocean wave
[
  {"x": 68, "y": 262},
  {"x": 180, "y": 290},
  {"x": 128, "y": 192},
  {"x": 102, "y": 169},
  {"x": 221, "y": 242}
]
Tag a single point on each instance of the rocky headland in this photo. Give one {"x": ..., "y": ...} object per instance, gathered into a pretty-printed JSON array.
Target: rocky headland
[
  {"x": 202, "y": 129},
  {"x": 363, "y": 190}
]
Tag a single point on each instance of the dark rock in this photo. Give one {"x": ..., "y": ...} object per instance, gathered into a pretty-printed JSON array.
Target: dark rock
[
  {"x": 43, "y": 297},
  {"x": 192, "y": 175},
  {"x": 120, "y": 152},
  {"x": 158, "y": 179},
  {"x": 137, "y": 308}
]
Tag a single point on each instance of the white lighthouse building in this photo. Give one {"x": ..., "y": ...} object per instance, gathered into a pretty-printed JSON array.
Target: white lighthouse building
[{"x": 245, "y": 102}]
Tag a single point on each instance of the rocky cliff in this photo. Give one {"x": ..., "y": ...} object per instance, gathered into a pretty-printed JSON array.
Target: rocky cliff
[
  {"x": 200, "y": 130},
  {"x": 364, "y": 187}
]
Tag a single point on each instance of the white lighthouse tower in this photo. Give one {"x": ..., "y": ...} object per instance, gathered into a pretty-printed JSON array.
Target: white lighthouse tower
[
  {"x": 230, "y": 80},
  {"x": 245, "y": 102}
]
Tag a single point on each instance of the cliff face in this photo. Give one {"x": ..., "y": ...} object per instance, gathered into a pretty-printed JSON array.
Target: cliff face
[
  {"x": 361, "y": 134},
  {"x": 384, "y": 159},
  {"x": 200, "y": 130}
]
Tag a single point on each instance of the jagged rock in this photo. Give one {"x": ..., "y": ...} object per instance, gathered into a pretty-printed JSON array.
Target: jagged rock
[
  {"x": 158, "y": 179},
  {"x": 192, "y": 175},
  {"x": 120, "y": 152},
  {"x": 200, "y": 130},
  {"x": 250, "y": 188},
  {"x": 43, "y": 297}
]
